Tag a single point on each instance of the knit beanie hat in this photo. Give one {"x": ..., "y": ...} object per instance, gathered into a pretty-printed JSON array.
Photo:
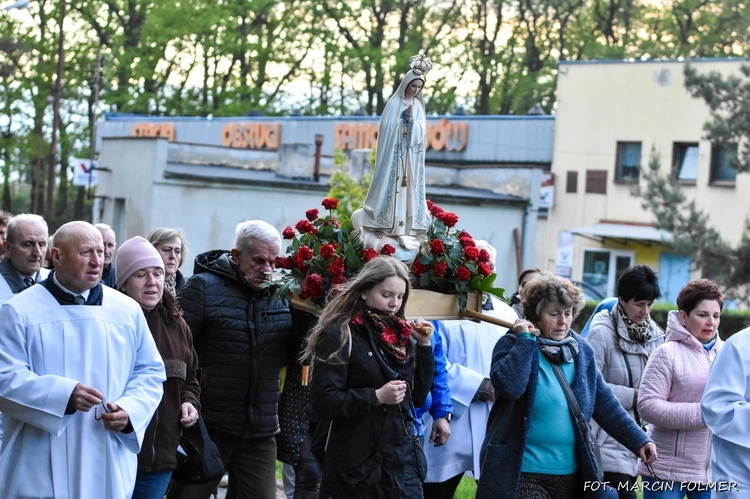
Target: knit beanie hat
[{"x": 135, "y": 254}]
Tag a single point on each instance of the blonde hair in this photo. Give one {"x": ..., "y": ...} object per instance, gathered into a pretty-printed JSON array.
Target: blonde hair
[{"x": 348, "y": 301}]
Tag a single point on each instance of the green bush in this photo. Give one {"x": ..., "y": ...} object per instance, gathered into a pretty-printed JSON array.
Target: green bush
[{"x": 732, "y": 321}]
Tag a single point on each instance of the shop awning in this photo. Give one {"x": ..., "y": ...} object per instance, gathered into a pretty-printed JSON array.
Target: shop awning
[{"x": 602, "y": 231}]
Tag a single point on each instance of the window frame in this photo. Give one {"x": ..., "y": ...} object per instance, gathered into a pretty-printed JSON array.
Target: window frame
[
  {"x": 612, "y": 267},
  {"x": 619, "y": 178},
  {"x": 712, "y": 180},
  {"x": 679, "y": 152}
]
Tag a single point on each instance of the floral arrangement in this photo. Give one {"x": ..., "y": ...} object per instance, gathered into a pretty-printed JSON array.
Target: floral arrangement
[
  {"x": 324, "y": 252},
  {"x": 450, "y": 261}
]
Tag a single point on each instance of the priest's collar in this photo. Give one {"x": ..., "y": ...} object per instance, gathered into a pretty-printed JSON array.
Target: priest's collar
[
  {"x": 64, "y": 296},
  {"x": 85, "y": 294}
]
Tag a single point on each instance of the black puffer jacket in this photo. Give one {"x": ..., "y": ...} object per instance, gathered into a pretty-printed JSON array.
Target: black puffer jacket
[{"x": 241, "y": 338}]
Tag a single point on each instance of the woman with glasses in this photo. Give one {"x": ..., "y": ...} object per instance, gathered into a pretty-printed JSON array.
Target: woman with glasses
[
  {"x": 670, "y": 396},
  {"x": 172, "y": 246}
]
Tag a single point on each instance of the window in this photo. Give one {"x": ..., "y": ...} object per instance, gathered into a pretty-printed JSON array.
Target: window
[
  {"x": 602, "y": 268},
  {"x": 571, "y": 185},
  {"x": 596, "y": 181},
  {"x": 723, "y": 161},
  {"x": 685, "y": 161},
  {"x": 628, "y": 161}
]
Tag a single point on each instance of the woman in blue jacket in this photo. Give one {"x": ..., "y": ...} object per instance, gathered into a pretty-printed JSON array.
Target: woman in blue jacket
[{"x": 533, "y": 448}]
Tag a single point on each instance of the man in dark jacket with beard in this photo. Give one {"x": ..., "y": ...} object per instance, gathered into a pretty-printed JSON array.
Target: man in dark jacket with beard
[{"x": 240, "y": 333}]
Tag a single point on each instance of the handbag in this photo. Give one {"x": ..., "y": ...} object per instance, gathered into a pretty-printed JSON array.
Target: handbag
[
  {"x": 198, "y": 463},
  {"x": 592, "y": 448}
]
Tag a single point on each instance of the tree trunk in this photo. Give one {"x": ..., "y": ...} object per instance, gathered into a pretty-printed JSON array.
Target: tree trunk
[{"x": 49, "y": 207}]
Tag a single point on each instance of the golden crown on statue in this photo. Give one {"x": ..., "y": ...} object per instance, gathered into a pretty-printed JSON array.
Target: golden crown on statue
[{"x": 420, "y": 64}]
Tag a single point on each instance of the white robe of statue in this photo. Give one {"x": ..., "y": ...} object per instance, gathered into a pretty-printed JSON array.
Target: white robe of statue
[
  {"x": 45, "y": 350},
  {"x": 395, "y": 204}
]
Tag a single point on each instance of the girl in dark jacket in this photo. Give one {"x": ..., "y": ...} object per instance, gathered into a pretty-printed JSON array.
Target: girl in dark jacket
[
  {"x": 367, "y": 376},
  {"x": 140, "y": 275}
]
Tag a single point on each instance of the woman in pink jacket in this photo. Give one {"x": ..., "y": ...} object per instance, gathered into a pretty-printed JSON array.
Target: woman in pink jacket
[{"x": 670, "y": 395}]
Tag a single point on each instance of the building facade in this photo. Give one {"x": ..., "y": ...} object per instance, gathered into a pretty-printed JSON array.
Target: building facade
[
  {"x": 207, "y": 175},
  {"x": 612, "y": 118}
]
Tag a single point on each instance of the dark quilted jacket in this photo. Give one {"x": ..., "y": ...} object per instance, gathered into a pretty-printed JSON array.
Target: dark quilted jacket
[{"x": 241, "y": 338}]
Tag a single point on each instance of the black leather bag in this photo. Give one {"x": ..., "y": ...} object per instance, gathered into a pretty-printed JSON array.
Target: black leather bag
[{"x": 200, "y": 461}]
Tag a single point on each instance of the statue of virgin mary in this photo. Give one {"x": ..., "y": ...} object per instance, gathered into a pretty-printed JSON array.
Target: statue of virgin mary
[{"x": 395, "y": 205}]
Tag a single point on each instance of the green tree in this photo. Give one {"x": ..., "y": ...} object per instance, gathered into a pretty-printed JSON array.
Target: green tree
[
  {"x": 692, "y": 233},
  {"x": 728, "y": 98},
  {"x": 350, "y": 192}
]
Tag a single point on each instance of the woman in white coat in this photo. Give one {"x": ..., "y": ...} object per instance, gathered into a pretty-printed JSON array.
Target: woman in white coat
[{"x": 623, "y": 339}]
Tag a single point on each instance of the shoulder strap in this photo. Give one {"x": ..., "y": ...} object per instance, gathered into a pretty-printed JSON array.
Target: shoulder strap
[
  {"x": 572, "y": 402},
  {"x": 630, "y": 371}
]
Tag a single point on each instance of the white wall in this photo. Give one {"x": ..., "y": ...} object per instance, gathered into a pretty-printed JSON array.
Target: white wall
[{"x": 209, "y": 211}]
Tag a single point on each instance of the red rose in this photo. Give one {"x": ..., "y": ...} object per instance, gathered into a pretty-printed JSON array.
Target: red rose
[
  {"x": 418, "y": 269},
  {"x": 463, "y": 233},
  {"x": 471, "y": 252},
  {"x": 317, "y": 293},
  {"x": 388, "y": 335},
  {"x": 484, "y": 255},
  {"x": 434, "y": 209},
  {"x": 448, "y": 218},
  {"x": 282, "y": 262},
  {"x": 304, "y": 293},
  {"x": 466, "y": 241},
  {"x": 335, "y": 222},
  {"x": 288, "y": 233},
  {"x": 314, "y": 281},
  {"x": 369, "y": 254},
  {"x": 304, "y": 253},
  {"x": 463, "y": 273},
  {"x": 312, "y": 214},
  {"x": 436, "y": 247},
  {"x": 387, "y": 250},
  {"x": 327, "y": 250},
  {"x": 305, "y": 226},
  {"x": 357, "y": 319},
  {"x": 336, "y": 267},
  {"x": 338, "y": 280},
  {"x": 484, "y": 269},
  {"x": 441, "y": 268},
  {"x": 330, "y": 203}
]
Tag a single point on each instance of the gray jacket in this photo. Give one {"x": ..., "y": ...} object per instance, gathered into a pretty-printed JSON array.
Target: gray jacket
[{"x": 612, "y": 350}]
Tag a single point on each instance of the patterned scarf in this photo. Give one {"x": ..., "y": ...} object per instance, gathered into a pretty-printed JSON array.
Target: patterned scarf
[
  {"x": 558, "y": 352},
  {"x": 170, "y": 283},
  {"x": 391, "y": 331},
  {"x": 638, "y": 333}
]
